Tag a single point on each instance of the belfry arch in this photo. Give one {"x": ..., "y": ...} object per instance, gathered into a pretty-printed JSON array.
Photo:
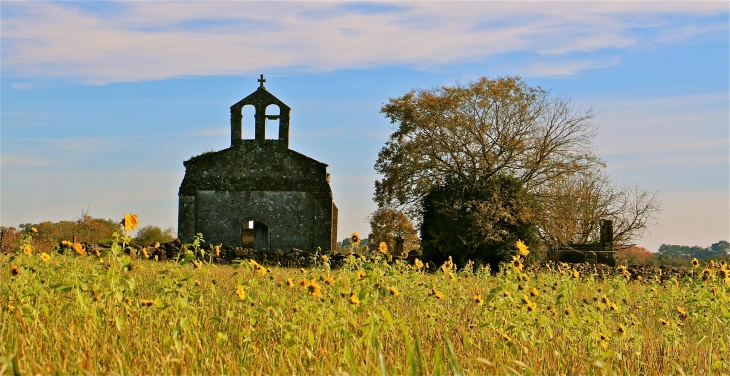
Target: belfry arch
[{"x": 261, "y": 99}]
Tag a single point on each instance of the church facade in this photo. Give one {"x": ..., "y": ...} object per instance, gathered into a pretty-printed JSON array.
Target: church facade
[{"x": 258, "y": 193}]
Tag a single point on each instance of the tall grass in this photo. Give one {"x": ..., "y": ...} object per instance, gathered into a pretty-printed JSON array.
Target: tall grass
[{"x": 112, "y": 314}]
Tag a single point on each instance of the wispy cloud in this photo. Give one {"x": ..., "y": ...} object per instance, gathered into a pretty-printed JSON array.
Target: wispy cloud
[
  {"x": 688, "y": 132},
  {"x": 211, "y": 132},
  {"x": 12, "y": 160},
  {"x": 566, "y": 67},
  {"x": 23, "y": 86},
  {"x": 80, "y": 144},
  {"x": 157, "y": 40}
]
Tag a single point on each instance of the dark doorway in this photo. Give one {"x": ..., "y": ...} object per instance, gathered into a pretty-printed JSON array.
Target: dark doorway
[{"x": 255, "y": 235}]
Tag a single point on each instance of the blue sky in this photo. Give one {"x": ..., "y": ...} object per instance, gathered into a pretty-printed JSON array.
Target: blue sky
[{"x": 102, "y": 101}]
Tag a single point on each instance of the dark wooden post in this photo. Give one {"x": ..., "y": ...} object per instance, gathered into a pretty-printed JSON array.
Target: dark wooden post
[
  {"x": 398, "y": 246},
  {"x": 606, "y": 231}
]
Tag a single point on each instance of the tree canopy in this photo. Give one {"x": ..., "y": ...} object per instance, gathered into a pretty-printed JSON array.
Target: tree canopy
[
  {"x": 150, "y": 234},
  {"x": 718, "y": 250},
  {"x": 86, "y": 228},
  {"x": 390, "y": 226},
  {"x": 473, "y": 131},
  {"x": 490, "y": 127}
]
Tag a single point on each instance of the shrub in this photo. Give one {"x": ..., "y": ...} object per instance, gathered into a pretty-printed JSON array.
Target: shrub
[
  {"x": 479, "y": 221},
  {"x": 150, "y": 234}
]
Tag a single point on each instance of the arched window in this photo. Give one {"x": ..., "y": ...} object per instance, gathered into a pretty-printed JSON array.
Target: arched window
[
  {"x": 248, "y": 123},
  {"x": 273, "y": 113}
]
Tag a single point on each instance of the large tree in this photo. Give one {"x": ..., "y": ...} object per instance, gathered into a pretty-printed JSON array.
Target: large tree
[
  {"x": 491, "y": 127},
  {"x": 574, "y": 204},
  {"x": 393, "y": 228}
]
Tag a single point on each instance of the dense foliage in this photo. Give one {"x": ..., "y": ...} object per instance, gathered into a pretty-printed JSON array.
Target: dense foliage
[
  {"x": 391, "y": 227},
  {"x": 86, "y": 229},
  {"x": 150, "y": 234},
  {"x": 717, "y": 250},
  {"x": 479, "y": 221},
  {"x": 503, "y": 126}
]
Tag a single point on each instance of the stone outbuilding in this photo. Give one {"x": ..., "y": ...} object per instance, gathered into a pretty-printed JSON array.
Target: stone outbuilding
[{"x": 258, "y": 193}]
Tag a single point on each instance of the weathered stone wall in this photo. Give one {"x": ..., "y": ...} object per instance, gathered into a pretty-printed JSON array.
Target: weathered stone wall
[
  {"x": 287, "y": 214},
  {"x": 257, "y": 180}
]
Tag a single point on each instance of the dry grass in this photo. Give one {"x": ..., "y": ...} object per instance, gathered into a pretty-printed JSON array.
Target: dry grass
[{"x": 76, "y": 314}]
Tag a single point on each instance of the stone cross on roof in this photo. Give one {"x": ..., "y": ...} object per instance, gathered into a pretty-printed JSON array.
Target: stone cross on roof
[{"x": 261, "y": 80}]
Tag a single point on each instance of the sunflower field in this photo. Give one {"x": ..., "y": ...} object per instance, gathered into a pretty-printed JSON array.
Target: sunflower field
[{"x": 76, "y": 311}]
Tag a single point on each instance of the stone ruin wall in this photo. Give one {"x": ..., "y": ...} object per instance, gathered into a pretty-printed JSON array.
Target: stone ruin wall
[{"x": 284, "y": 189}]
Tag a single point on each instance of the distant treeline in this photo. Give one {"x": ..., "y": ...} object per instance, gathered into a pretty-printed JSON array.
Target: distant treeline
[
  {"x": 719, "y": 250},
  {"x": 85, "y": 229},
  {"x": 674, "y": 255}
]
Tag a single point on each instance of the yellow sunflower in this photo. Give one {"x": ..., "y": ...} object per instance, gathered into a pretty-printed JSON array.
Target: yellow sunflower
[
  {"x": 383, "y": 247},
  {"x": 354, "y": 300},
  {"x": 79, "y": 249},
  {"x": 522, "y": 248},
  {"x": 355, "y": 239},
  {"x": 130, "y": 222},
  {"x": 239, "y": 291}
]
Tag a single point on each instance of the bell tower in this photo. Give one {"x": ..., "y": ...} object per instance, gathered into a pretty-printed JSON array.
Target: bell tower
[{"x": 261, "y": 100}]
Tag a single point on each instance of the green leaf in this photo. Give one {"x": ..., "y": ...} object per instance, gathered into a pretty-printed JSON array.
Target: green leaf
[
  {"x": 724, "y": 311},
  {"x": 351, "y": 360},
  {"x": 438, "y": 363},
  {"x": 451, "y": 355},
  {"x": 387, "y": 316},
  {"x": 310, "y": 337}
]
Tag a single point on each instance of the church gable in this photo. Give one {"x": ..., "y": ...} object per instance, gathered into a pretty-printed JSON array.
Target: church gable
[{"x": 258, "y": 189}]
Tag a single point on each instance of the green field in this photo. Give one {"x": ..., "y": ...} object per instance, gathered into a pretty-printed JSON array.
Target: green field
[{"x": 78, "y": 314}]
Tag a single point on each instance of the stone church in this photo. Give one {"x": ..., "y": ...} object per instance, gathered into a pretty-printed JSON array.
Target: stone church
[{"x": 258, "y": 193}]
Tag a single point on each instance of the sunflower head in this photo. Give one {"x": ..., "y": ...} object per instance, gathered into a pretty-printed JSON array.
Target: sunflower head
[
  {"x": 522, "y": 248},
  {"x": 355, "y": 239},
  {"x": 418, "y": 264},
  {"x": 130, "y": 222},
  {"x": 240, "y": 292},
  {"x": 79, "y": 249},
  {"x": 383, "y": 247},
  {"x": 314, "y": 289},
  {"x": 354, "y": 299}
]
